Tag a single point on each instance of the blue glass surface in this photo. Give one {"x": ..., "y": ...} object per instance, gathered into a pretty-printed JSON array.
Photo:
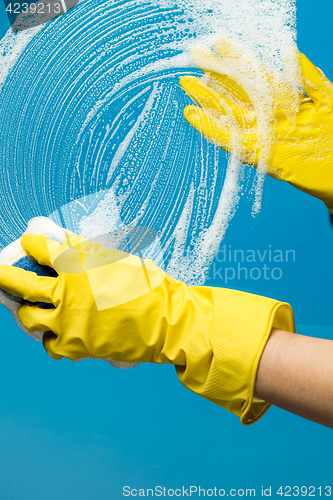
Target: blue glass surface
[{"x": 84, "y": 430}]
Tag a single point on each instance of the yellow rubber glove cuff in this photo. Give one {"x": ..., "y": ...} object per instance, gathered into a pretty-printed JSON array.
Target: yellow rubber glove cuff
[{"x": 109, "y": 304}]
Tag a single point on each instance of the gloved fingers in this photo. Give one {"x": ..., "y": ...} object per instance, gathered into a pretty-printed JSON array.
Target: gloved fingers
[
  {"x": 92, "y": 247},
  {"x": 222, "y": 73},
  {"x": 237, "y": 65},
  {"x": 73, "y": 240},
  {"x": 41, "y": 249},
  {"x": 232, "y": 50},
  {"x": 229, "y": 77},
  {"x": 226, "y": 85},
  {"x": 50, "y": 253},
  {"x": 236, "y": 141},
  {"x": 215, "y": 103},
  {"x": 315, "y": 83},
  {"x": 36, "y": 318},
  {"x": 226, "y": 47},
  {"x": 48, "y": 343},
  {"x": 26, "y": 284},
  {"x": 58, "y": 347},
  {"x": 207, "y": 60},
  {"x": 246, "y": 64},
  {"x": 79, "y": 243},
  {"x": 239, "y": 59},
  {"x": 87, "y": 255}
]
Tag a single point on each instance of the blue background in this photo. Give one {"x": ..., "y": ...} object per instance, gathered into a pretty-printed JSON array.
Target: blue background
[{"x": 84, "y": 430}]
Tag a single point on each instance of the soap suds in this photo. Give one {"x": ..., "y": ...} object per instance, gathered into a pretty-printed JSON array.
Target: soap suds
[{"x": 91, "y": 114}]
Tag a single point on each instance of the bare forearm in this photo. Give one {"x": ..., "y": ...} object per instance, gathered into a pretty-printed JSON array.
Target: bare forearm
[{"x": 296, "y": 374}]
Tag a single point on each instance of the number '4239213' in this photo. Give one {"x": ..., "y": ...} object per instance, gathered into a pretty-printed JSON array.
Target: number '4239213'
[
  {"x": 39, "y": 8},
  {"x": 304, "y": 491}
]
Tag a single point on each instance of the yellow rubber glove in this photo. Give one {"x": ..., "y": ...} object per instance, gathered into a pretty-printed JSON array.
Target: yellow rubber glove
[
  {"x": 109, "y": 304},
  {"x": 301, "y": 125}
]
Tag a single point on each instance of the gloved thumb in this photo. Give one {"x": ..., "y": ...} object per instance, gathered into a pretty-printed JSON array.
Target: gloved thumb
[{"x": 48, "y": 342}]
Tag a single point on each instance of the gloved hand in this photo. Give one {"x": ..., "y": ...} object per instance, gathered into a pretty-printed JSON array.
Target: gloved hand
[
  {"x": 301, "y": 128},
  {"x": 110, "y": 304}
]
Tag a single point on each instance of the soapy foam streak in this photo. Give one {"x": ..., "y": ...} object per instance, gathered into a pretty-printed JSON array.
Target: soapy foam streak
[{"x": 92, "y": 125}]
